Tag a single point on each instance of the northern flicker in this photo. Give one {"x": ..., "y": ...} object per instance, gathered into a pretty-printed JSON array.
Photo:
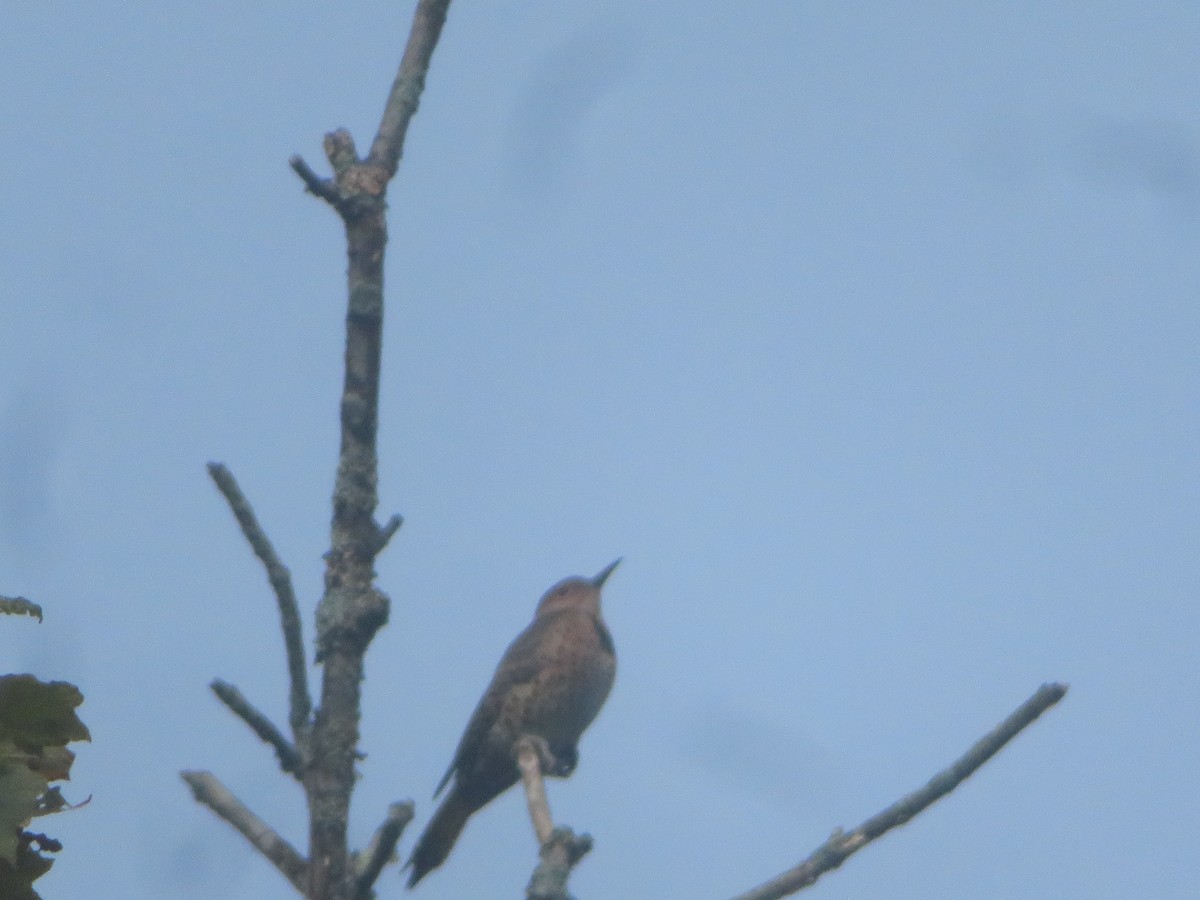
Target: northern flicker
[{"x": 550, "y": 684}]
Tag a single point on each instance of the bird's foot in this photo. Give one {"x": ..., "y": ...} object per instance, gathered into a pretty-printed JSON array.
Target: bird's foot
[
  {"x": 556, "y": 762},
  {"x": 565, "y": 760}
]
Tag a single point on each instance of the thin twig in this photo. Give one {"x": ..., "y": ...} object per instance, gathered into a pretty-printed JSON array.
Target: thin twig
[
  {"x": 529, "y": 760},
  {"x": 316, "y": 185},
  {"x": 289, "y": 757},
  {"x": 388, "y": 531},
  {"x": 841, "y": 846},
  {"x": 559, "y": 849},
  {"x": 405, "y": 95},
  {"x": 382, "y": 848},
  {"x": 300, "y": 705},
  {"x": 209, "y": 791}
]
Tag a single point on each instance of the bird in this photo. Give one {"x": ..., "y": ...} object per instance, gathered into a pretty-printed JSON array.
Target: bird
[{"x": 549, "y": 685}]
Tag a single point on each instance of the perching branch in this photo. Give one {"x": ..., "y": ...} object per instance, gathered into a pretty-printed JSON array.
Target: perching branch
[
  {"x": 557, "y": 857},
  {"x": 209, "y": 791},
  {"x": 289, "y": 757},
  {"x": 382, "y": 848},
  {"x": 529, "y": 761},
  {"x": 560, "y": 849},
  {"x": 841, "y": 846},
  {"x": 300, "y": 703}
]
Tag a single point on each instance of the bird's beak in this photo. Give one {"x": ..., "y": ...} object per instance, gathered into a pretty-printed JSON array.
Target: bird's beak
[{"x": 602, "y": 577}]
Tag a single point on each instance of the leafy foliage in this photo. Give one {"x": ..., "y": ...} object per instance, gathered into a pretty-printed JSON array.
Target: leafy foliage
[
  {"x": 37, "y": 721},
  {"x": 20, "y": 606}
]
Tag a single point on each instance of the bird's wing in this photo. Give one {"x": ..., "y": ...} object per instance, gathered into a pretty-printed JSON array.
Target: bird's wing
[{"x": 519, "y": 665}]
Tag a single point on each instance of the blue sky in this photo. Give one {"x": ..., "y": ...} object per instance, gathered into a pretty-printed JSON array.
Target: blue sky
[{"x": 867, "y": 335}]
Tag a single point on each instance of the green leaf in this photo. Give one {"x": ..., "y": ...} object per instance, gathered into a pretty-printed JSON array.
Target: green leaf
[
  {"x": 37, "y": 721},
  {"x": 19, "y": 606},
  {"x": 20, "y": 788},
  {"x": 34, "y": 714}
]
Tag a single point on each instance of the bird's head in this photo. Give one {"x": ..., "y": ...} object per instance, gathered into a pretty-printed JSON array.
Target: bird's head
[{"x": 576, "y": 592}]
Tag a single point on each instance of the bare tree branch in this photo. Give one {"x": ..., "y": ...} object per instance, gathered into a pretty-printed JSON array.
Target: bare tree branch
[
  {"x": 209, "y": 791},
  {"x": 841, "y": 846},
  {"x": 529, "y": 761},
  {"x": 382, "y": 848},
  {"x": 405, "y": 95},
  {"x": 356, "y": 180},
  {"x": 316, "y": 185},
  {"x": 389, "y": 529},
  {"x": 352, "y": 609},
  {"x": 557, "y": 857},
  {"x": 560, "y": 849},
  {"x": 289, "y": 757},
  {"x": 300, "y": 703}
]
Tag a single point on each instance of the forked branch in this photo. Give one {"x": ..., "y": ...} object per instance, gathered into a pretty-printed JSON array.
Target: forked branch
[
  {"x": 357, "y": 180},
  {"x": 352, "y": 609},
  {"x": 300, "y": 703}
]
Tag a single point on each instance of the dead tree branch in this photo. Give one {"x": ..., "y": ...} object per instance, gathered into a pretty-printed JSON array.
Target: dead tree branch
[
  {"x": 355, "y": 180},
  {"x": 560, "y": 849},
  {"x": 210, "y": 792},
  {"x": 405, "y": 95},
  {"x": 842, "y": 846},
  {"x": 289, "y": 757},
  {"x": 300, "y": 703},
  {"x": 529, "y": 761},
  {"x": 382, "y": 848},
  {"x": 352, "y": 609}
]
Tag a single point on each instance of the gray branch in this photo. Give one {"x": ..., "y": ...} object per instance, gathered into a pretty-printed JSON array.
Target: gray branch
[
  {"x": 289, "y": 757},
  {"x": 382, "y": 848},
  {"x": 300, "y": 703},
  {"x": 531, "y": 753},
  {"x": 842, "y": 846},
  {"x": 356, "y": 180},
  {"x": 387, "y": 531},
  {"x": 405, "y": 95},
  {"x": 314, "y": 183},
  {"x": 209, "y": 791},
  {"x": 560, "y": 849},
  {"x": 352, "y": 608}
]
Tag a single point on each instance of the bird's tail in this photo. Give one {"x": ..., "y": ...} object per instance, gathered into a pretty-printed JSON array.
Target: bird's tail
[{"x": 439, "y": 836}]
